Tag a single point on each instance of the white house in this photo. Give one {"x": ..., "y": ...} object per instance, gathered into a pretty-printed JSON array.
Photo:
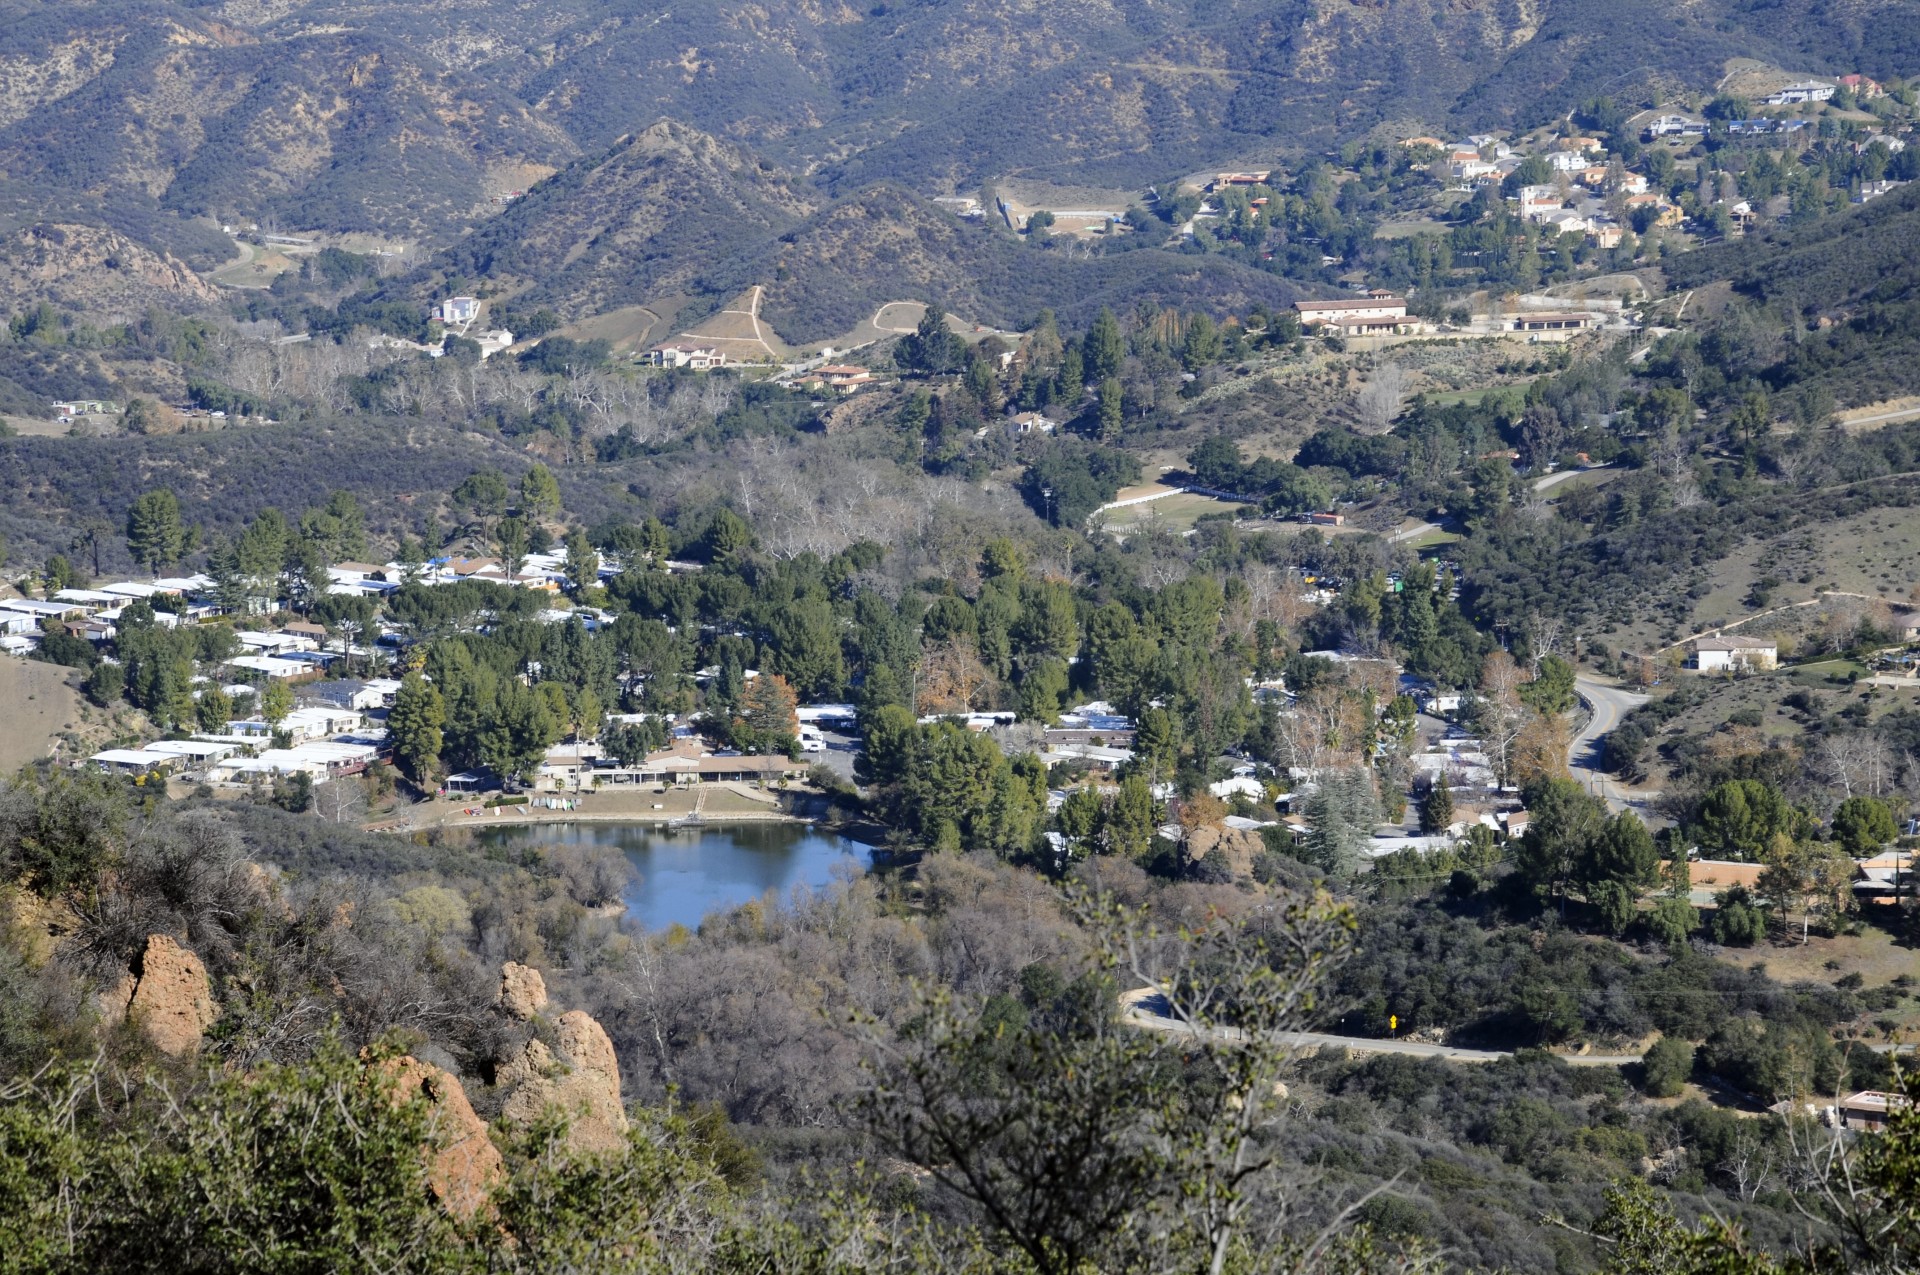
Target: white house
[
  {"x": 1378, "y": 313},
  {"x": 700, "y": 358},
  {"x": 1676, "y": 126},
  {"x": 459, "y": 311},
  {"x": 133, "y": 761},
  {"x": 1804, "y": 91},
  {"x": 1721, "y": 654}
]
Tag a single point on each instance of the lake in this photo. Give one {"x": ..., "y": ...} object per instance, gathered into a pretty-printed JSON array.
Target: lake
[{"x": 685, "y": 873}]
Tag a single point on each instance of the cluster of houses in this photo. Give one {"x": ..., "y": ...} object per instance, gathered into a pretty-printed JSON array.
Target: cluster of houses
[{"x": 323, "y": 739}]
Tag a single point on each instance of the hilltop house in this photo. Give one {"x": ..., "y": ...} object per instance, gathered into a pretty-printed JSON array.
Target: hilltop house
[
  {"x": 458, "y": 311},
  {"x": 1863, "y": 87}
]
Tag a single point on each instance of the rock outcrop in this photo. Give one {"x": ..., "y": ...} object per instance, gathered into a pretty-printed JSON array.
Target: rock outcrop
[
  {"x": 168, "y": 996},
  {"x": 523, "y": 993},
  {"x": 1237, "y": 845},
  {"x": 463, "y": 1165},
  {"x": 577, "y": 1072}
]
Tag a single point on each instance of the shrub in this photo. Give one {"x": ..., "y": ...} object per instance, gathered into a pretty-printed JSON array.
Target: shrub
[{"x": 1665, "y": 1068}]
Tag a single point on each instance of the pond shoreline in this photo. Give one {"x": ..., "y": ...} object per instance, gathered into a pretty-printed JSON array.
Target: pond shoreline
[
  {"x": 708, "y": 804},
  {"x": 684, "y": 873}
]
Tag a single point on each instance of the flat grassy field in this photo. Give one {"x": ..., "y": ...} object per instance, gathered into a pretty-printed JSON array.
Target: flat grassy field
[{"x": 1173, "y": 513}]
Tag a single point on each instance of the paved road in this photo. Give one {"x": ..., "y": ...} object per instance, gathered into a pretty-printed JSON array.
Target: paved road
[
  {"x": 1606, "y": 705},
  {"x": 1143, "y": 1006}
]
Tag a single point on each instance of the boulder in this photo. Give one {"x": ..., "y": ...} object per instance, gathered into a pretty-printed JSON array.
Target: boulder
[
  {"x": 523, "y": 993},
  {"x": 579, "y": 1074},
  {"x": 171, "y": 998},
  {"x": 463, "y": 1165},
  {"x": 1238, "y": 845}
]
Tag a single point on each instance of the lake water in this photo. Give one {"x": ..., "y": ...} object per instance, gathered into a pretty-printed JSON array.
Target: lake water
[{"x": 685, "y": 873}]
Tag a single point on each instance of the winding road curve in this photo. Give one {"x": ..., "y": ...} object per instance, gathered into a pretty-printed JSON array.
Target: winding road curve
[
  {"x": 1586, "y": 756},
  {"x": 1143, "y": 1008}
]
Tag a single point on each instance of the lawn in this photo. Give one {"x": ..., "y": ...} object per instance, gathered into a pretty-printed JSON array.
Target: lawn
[{"x": 1176, "y": 513}]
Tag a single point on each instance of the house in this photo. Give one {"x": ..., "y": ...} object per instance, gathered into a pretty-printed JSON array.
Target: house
[
  {"x": 1569, "y": 321},
  {"x": 194, "y": 751},
  {"x": 1863, "y": 87},
  {"x": 1328, "y": 519},
  {"x": 1665, "y": 214},
  {"x": 71, "y": 408},
  {"x": 700, "y": 358},
  {"x": 1607, "y": 234},
  {"x": 133, "y": 761},
  {"x": 1030, "y": 423},
  {"x": 493, "y": 342},
  {"x": 1795, "y": 94},
  {"x": 1725, "y": 654},
  {"x": 844, "y": 377},
  {"x": 319, "y": 761},
  {"x": 40, "y": 610},
  {"x": 347, "y": 694},
  {"x": 1565, "y": 221},
  {"x": 1224, "y": 180},
  {"x": 1907, "y": 625},
  {"x": 1475, "y": 169},
  {"x": 1099, "y": 759},
  {"x": 458, "y": 311},
  {"x": 1759, "y": 128},
  {"x": 1537, "y": 200},
  {"x": 1567, "y": 161},
  {"x": 1675, "y": 126},
  {"x": 1867, "y": 1110},
  {"x": 1374, "y": 315},
  {"x": 1870, "y": 191},
  {"x": 1415, "y": 143},
  {"x": 320, "y": 722}
]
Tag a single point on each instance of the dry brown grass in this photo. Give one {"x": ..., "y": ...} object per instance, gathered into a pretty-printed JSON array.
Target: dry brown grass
[{"x": 36, "y": 705}]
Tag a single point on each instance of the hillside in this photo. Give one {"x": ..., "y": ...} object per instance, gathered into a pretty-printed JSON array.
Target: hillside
[
  {"x": 883, "y": 245},
  {"x": 637, "y": 222},
  {"x": 90, "y": 267},
  {"x": 341, "y": 129},
  {"x": 409, "y": 119},
  {"x": 1854, "y": 280}
]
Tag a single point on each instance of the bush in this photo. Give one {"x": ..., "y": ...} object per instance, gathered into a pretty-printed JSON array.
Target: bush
[
  {"x": 1665, "y": 1068},
  {"x": 1671, "y": 921},
  {"x": 1736, "y": 921}
]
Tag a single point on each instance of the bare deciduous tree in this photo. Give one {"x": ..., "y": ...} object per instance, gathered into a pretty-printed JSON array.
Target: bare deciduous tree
[{"x": 1380, "y": 400}]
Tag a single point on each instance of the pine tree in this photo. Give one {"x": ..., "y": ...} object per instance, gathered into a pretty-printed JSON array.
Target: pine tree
[
  {"x": 415, "y": 725},
  {"x": 155, "y": 536},
  {"x": 1111, "y": 419},
  {"x": 1436, "y": 810},
  {"x": 1105, "y": 347}
]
